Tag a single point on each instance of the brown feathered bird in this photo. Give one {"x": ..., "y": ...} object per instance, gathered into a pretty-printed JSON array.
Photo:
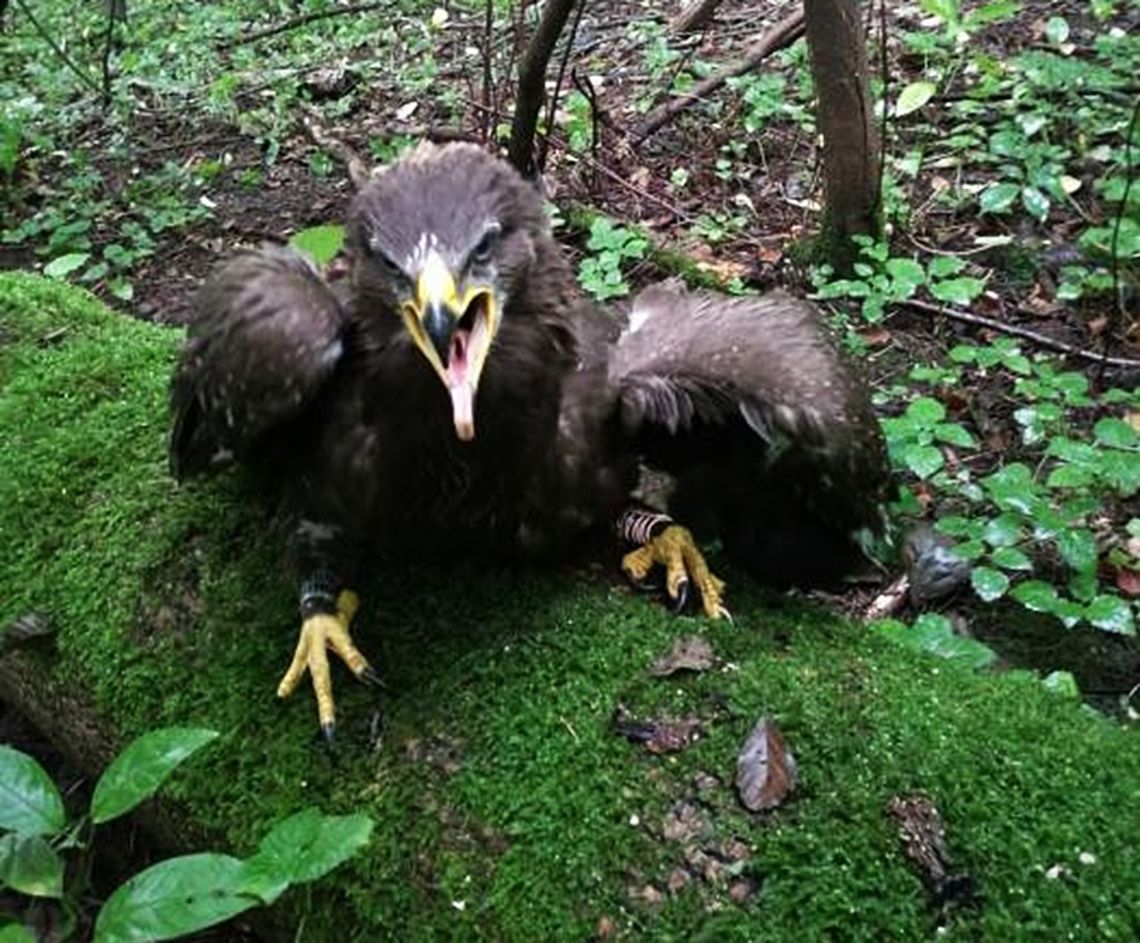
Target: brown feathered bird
[{"x": 457, "y": 395}]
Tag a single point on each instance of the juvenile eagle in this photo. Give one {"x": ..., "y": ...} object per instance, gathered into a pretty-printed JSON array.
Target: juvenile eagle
[{"x": 457, "y": 395}]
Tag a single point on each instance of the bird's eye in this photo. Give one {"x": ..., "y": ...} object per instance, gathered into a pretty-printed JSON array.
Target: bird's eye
[
  {"x": 481, "y": 254},
  {"x": 384, "y": 261}
]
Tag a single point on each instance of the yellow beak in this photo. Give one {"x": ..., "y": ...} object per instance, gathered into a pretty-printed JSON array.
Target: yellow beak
[{"x": 454, "y": 333}]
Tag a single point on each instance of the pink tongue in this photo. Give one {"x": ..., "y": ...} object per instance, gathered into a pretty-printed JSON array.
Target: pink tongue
[{"x": 462, "y": 400}]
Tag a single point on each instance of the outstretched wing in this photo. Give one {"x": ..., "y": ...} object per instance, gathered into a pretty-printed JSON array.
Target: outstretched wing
[
  {"x": 752, "y": 391},
  {"x": 268, "y": 334}
]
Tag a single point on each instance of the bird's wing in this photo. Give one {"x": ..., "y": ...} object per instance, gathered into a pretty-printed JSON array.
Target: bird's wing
[
  {"x": 268, "y": 334},
  {"x": 695, "y": 371}
]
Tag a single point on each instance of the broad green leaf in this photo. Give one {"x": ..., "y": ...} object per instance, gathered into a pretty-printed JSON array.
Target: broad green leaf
[
  {"x": 947, "y": 10},
  {"x": 64, "y": 265},
  {"x": 29, "y": 801},
  {"x": 142, "y": 767},
  {"x": 926, "y": 411},
  {"x": 913, "y": 97},
  {"x": 15, "y": 933},
  {"x": 954, "y": 434},
  {"x": 933, "y": 633},
  {"x": 30, "y": 865},
  {"x": 1057, "y": 30},
  {"x": 1062, "y": 683},
  {"x": 1070, "y": 476},
  {"x": 1115, "y": 432},
  {"x": 174, "y": 898},
  {"x": 1010, "y": 558},
  {"x": 923, "y": 460},
  {"x": 1035, "y": 202},
  {"x": 943, "y": 266},
  {"x": 1036, "y": 595},
  {"x": 958, "y": 291},
  {"x": 957, "y": 526},
  {"x": 1112, "y": 614},
  {"x": 999, "y": 197},
  {"x": 302, "y": 848},
  {"x": 1122, "y": 471},
  {"x": 1005, "y": 530},
  {"x": 963, "y": 353},
  {"x": 988, "y": 583},
  {"x": 1077, "y": 547},
  {"x": 320, "y": 243}
]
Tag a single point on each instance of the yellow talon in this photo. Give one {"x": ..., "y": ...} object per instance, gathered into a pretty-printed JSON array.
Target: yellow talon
[
  {"x": 675, "y": 549},
  {"x": 319, "y": 633}
]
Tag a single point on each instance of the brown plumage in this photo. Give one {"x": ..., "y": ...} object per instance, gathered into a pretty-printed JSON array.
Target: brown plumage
[{"x": 458, "y": 395}]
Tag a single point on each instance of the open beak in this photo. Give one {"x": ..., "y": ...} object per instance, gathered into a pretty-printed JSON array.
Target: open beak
[{"x": 454, "y": 333}]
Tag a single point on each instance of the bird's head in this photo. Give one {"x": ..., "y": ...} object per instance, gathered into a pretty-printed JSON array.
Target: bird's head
[{"x": 444, "y": 238}]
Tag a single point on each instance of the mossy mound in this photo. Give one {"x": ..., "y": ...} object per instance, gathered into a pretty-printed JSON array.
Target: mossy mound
[{"x": 506, "y": 806}]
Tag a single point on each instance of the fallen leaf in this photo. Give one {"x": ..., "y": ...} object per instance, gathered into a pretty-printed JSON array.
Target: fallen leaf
[
  {"x": 684, "y": 823},
  {"x": 765, "y": 768},
  {"x": 690, "y": 653},
  {"x": 924, "y": 843},
  {"x": 663, "y": 735},
  {"x": 1128, "y": 581}
]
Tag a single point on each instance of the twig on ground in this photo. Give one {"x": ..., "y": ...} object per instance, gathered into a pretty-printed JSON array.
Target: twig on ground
[
  {"x": 301, "y": 21},
  {"x": 358, "y": 169},
  {"x": 694, "y": 16},
  {"x": 783, "y": 34},
  {"x": 1018, "y": 331}
]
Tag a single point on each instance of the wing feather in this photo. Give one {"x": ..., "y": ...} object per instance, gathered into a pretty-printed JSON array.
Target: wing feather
[{"x": 268, "y": 334}]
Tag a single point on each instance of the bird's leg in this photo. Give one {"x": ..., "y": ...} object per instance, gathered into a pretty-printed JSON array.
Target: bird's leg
[
  {"x": 327, "y": 609},
  {"x": 662, "y": 542}
]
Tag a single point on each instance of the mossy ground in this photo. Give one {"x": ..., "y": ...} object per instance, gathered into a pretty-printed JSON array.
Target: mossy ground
[{"x": 503, "y": 800}]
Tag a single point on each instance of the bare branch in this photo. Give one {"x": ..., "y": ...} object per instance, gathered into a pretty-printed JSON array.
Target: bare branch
[
  {"x": 780, "y": 36},
  {"x": 532, "y": 81},
  {"x": 301, "y": 21}
]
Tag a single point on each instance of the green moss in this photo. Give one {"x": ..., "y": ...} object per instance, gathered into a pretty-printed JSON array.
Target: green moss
[{"x": 500, "y": 786}]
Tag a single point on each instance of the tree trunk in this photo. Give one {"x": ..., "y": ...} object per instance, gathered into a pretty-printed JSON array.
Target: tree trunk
[{"x": 846, "y": 124}]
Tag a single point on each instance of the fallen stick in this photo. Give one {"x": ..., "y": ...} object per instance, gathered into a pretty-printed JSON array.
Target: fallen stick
[{"x": 300, "y": 21}]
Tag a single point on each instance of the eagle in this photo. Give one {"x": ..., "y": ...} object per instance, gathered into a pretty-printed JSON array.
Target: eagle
[{"x": 456, "y": 395}]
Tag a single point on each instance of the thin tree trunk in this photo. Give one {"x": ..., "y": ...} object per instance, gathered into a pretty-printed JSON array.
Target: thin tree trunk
[
  {"x": 846, "y": 123},
  {"x": 694, "y": 16}
]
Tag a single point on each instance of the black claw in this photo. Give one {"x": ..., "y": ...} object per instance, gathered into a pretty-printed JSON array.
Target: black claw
[
  {"x": 682, "y": 597},
  {"x": 370, "y": 676}
]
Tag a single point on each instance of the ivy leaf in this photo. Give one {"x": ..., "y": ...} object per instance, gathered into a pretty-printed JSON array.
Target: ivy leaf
[
  {"x": 954, "y": 434},
  {"x": 988, "y": 583},
  {"x": 1078, "y": 548},
  {"x": 934, "y": 634},
  {"x": 1070, "y": 476},
  {"x": 999, "y": 197},
  {"x": 174, "y": 898},
  {"x": 923, "y": 460},
  {"x": 1003, "y": 531},
  {"x": 1115, "y": 432},
  {"x": 1036, "y": 595},
  {"x": 137, "y": 772},
  {"x": 1112, "y": 614},
  {"x": 302, "y": 848},
  {"x": 30, "y": 865},
  {"x": 926, "y": 411},
  {"x": 29, "y": 801},
  {"x": 1010, "y": 558},
  {"x": 1035, "y": 202},
  {"x": 913, "y": 97},
  {"x": 943, "y": 266},
  {"x": 64, "y": 265},
  {"x": 1122, "y": 471},
  {"x": 958, "y": 291}
]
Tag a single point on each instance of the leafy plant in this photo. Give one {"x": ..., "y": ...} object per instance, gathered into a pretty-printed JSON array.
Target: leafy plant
[
  {"x": 611, "y": 246},
  {"x": 177, "y": 896}
]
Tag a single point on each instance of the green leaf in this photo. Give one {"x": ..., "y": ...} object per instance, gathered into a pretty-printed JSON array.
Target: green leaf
[
  {"x": 142, "y": 767},
  {"x": 1070, "y": 476},
  {"x": 958, "y": 291},
  {"x": 29, "y": 801},
  {"x": 1078, "y": 548},
  {"x": 304, "y": 847},
  {"x": 15, "y": 933},
  {"x": 926, "y": 411},
  {"x": 320, "y": 243},
  {"x": 1112, "y": 614},
  {"x": 1035, "y": 202},
  {"x": 988, "y": 583},
  {"x": 943, "y": 266},
  {"x": 963, "y": 353},
  {"x": 1010, "y": 558},
  {"x": 30, "y": 865},
  {"x": 1057, "y": 30},
  {"x": 954, "y": 434},
  {"x": 934, "y": 634},
  {"x": 999, "y": 197},
  {"x": 923, "y": 460},
  {"x": 1062, "y": 683},
  {"x": 1005, "y": 530},
  {"x": 174, "y": 898},
  {"x": 913, "y": 97},
  {"x": 64, "y": 265},
  {"x": 958, "y": 526},
  {"x": 1036, "y": 595},
  {"x": 1115, "y": 432}
]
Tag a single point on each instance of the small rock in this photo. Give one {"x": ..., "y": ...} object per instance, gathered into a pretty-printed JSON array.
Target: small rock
[
  {"x": 678, "y": 879},
  {"x": 605, "y": 929},
  {"x": 741, "y": 891}
]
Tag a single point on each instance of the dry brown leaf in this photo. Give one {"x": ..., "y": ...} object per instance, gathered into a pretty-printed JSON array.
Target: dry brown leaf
[
  {"x": 690, "y": 653},
  {"x": 658, "y": 735},
  {"x": 1128, "y": 581},
  {"x": 766, "y": 770},
  {"x": 924, "y": 843}
]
